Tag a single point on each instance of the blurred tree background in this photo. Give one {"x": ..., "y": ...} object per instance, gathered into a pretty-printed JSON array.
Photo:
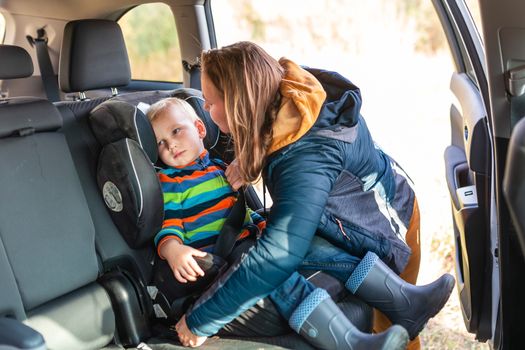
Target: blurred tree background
[
  {"x": 152, "y": 43},
  {"x": 2, "y": 28}
]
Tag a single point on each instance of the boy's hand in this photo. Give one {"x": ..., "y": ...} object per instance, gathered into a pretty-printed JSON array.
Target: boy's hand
[
  {"x": 233, "y": 175},
  {"x": 180, "y": 258},
  {"x": 186, "y": 337}
]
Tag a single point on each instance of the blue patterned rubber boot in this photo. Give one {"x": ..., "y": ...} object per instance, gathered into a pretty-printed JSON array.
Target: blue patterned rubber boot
[
  {"x": 403, "y": 303},
  {"x": 320, "y": 321}
]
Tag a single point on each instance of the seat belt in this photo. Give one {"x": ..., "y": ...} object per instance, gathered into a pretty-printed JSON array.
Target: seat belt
[
  {"x": 49, "y": 80},
  {"x": 515, "y": 93},
  {"x": 195, "y": 74},
  {"x": 232, "y": 228},
  {"x": 171, "y": 307},
  {"x": 517, "y": 109}
]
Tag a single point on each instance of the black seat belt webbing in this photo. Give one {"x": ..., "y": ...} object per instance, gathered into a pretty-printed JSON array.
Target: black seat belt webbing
[
  {"x": 194, "y": 70},
  {"x": 232, "y": 227},
  {"x": 49, "y": 79},
  {"x": 195, "y": 78}
]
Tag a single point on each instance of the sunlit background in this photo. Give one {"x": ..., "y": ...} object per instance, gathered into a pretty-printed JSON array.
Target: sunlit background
[{"x": 2, "y": 28}]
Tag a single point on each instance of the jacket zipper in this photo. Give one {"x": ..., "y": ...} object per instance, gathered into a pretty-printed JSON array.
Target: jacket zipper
[{"x": 342, "y": 229}]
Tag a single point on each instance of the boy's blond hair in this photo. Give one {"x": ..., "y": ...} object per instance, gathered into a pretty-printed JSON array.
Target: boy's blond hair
[{"x": 161, "y": 106}]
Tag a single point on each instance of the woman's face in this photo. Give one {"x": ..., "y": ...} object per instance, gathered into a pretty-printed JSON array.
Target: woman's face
[{"x": 214, "y": 103}]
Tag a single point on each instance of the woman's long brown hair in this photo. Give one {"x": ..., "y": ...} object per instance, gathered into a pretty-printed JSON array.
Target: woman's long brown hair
[{"x": 248, "y": 79}]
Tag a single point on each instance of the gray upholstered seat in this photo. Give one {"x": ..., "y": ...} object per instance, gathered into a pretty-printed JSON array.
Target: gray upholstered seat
[{"x": 48, "y": 263}]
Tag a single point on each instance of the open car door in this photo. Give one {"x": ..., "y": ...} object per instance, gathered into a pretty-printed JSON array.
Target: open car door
[
  {"x": 468, "y": 164},
  {"x": 488, "y": 212}
]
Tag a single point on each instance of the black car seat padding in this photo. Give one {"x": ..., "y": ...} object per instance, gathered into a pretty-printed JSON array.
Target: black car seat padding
[{"x": 125, "y": 172}]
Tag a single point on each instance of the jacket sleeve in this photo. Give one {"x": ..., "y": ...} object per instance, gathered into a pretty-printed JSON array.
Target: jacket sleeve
[
  {"x": 173, "y": 225},
  {"x": 301, "y": 180}
]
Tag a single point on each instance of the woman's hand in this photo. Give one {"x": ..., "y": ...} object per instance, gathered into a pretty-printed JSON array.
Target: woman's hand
[
  {"x": 234, "y": 175},
  {"x": 180, "y": 258},
  {"x": 186, "y": 337}
]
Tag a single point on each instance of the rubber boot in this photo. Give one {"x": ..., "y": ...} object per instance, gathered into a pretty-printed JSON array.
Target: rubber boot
[
  {"x": 320, "y": 322},
  {"x": 403, "y": 303}
]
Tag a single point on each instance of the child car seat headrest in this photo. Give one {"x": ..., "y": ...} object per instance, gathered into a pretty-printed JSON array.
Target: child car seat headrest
[
  {"x": 114, "y": 120},
  {"x": 125, "y": 172},
  {"x": 218, "y": 144}
]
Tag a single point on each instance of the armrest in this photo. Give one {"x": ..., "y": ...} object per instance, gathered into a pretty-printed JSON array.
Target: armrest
[{"x": 16, "y": 335}]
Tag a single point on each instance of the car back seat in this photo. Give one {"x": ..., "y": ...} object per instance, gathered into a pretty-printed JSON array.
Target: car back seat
[{"x": 48, "y": 263}]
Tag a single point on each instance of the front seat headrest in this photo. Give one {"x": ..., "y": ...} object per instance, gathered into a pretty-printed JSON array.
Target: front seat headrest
[
  {"x": 93, "y": 56},
  {"x": 15, "y": 62}
]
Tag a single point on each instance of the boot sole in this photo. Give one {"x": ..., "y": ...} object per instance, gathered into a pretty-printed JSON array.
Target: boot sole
[
  {"x": 421, "y": 322},
  {"x": 396, "y": 340}
]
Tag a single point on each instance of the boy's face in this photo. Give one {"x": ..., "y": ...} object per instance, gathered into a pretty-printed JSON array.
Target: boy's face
[{"x": 179, "y": 139}]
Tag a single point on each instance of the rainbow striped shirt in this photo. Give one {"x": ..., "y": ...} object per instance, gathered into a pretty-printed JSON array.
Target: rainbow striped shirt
[{"x": 197, "y": 201}]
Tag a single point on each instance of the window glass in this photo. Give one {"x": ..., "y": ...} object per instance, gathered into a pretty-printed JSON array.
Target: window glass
[
  {"x": 473, "y": 7},
  {"x": 2, "y": 28},
  {"x": 152, "y": 43},
  {"x": 356, "y": 38}
]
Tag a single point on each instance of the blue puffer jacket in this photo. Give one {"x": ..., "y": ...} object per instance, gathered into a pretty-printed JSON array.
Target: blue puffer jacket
[{"x": 324, "y": 174}]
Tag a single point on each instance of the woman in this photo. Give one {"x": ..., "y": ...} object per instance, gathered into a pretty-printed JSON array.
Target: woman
[{"x": 302, "y": 130}]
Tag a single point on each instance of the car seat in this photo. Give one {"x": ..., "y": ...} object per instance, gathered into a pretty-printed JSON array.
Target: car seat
[{"x": 50, "y": 272}]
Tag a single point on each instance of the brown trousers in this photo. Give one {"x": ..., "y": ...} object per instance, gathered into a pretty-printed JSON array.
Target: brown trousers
[{"x": 410, "y": 273}]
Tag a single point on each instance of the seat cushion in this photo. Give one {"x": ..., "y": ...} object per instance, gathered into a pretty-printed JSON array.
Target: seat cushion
[{"x": 45, "y": 224}]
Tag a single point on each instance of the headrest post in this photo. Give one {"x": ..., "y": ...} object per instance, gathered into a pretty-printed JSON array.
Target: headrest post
[
  {"x": 82, "y": 96},
  {"x": 114, "y": 91}
]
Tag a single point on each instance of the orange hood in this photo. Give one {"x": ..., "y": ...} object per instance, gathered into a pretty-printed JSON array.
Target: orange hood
[{"x": 302, "y": 98}]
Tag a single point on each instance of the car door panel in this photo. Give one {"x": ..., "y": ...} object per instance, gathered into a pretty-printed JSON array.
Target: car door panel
[{"x": 466, "y": 173}]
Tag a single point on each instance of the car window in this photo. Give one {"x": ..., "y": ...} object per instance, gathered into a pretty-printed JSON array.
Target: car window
[
  {"x": 152, "y": 43},
  {"x": 2, "y": 28},
  {"x": 353, "y": 42},
  {"x": 473, "y": 7}
]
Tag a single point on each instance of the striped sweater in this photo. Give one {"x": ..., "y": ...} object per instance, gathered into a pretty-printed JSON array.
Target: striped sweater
[{"x": 197, "y": 201}]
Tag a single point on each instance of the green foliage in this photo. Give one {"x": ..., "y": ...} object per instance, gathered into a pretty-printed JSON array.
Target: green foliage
[
  {"x": 152, "y": 42},
  {"x": 152, "y": 29},
  {"x": 430, "y": 36}
]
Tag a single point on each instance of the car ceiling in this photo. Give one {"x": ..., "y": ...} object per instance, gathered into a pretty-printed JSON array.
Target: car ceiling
[{"x": 78, "y": 9}]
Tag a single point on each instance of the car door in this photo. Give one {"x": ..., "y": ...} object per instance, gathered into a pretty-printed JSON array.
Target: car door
[
  {"x": 468, "y": 164},
  {"x": 488, "y": 86},
  {"x": 504, "y": 37}
]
